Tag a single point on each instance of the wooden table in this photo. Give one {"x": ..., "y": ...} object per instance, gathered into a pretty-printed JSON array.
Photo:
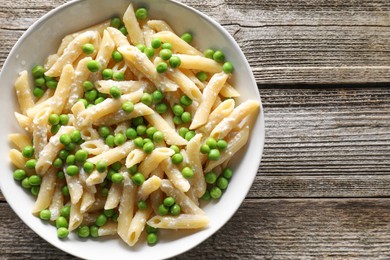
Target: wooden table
[{"x": 323, "y": 188}]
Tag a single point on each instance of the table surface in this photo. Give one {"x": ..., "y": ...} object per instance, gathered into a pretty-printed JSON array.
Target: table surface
[{"x": 323, "y": 187}]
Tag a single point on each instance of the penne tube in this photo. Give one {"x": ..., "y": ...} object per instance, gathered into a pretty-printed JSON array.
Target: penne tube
[
  {"x": 183, "y": 221},
  {"x": 185, "y": 84},
  {"x": 152, "y": 161},
  {"x": 57, "y": 202},
  {"x": 150, "y": 185},
  {"x": 137, "y": 225},
  {"x": 192, "y": 77},
  {"x": 198, "y": 183},
  {"x": 108, "y": 229},
  {"x": 95, "y": 147},
  {"x": 178, "y": 44},
  {"x": 210, "y": 93},
  {"x": 175, "y": 176},
  {"x": 159, "y": 25},
  {"x": 135, "y": 33},
  {"x": 125, "y": 87},
  {"x": 135, "y": 157},
  {"x": 199, "y": 63},
  {"x": 114, "y": 196},
  {"x": 25, "y": 122},
  {"x": 228, "y": 91},
  {"x": 20, "y": 140},
  {"x": 126, "y": 208},
  {"x": 106, "y": 48},
  {"x": 96, "y": 178},
  {"x": 75, "y": 187},
  {"x": 114, "y": 155},
  {"x": 75, "y": 218},
  {"x": 23, "y": 92},
  {"x": 147, "y": 33},
  {"x": 46, "y": 191},
  {"x": 239, "y": 113},
  {"x": 87, "y": 201},
  {"x": 140, "y": 109},
  {"x": 222, "y": 111}
]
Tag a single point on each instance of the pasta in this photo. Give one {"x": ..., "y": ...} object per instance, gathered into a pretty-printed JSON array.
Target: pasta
[{"x": 128, "y": 126}]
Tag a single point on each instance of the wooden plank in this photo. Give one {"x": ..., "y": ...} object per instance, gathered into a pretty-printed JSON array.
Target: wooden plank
[
  {"x": 272, "y": 229},
  {"x": 311, "y": 42}
]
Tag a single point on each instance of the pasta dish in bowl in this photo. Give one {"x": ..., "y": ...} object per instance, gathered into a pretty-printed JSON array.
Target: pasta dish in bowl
[{"x": 131, "y": 123}]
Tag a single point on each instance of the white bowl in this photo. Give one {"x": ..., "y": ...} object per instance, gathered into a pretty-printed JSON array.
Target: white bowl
[{"x": 43, "y": 38}]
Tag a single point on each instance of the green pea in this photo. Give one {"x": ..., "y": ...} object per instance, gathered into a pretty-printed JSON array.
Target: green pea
[
  {"x": 64, "y": 119},
  {"x": 222, "y": 144},
  {"x": 25, "y": 183},
  {"x": 218, "y": 56},
  {"x": 116, "y": 166},
  {"x": 215, "y": 193},
  {"x": 187, "y": 37},
  {"x": 91, "y": 95},
  {"x": 38, "y": 71},
  {"x": 105, "y": 192},
  {"x": 158, "y": 136},
  {"x": 65, "y": 211},
  {"x": 214, "y": 155},
  {"x": 38, "y": 92},
  {"x": 165, "y": 54},
  {"x": 147, "y": 140},
  {"x": 88, "y": 167},
  {"x": 222, "y": 183},
  {"x": 117, "y": 178},
  {"x": 211, "y": 142},
  {"x": 54, "y": 119},
  {"x": 116, "y": 22},
  {"x": 63, "y": 154},
  {"x": 83, "y": 231},
  {"x": 141, "y": 130},
  {"x": 175, "y": 148},
  {"x": 84, "y": 101},
  {"x": 88, "y": 48},
  {"x": 128, "y": 106},
  {"x": 162, "y": 210},
  {"x": 187, "y": 172},
  {"x": 107, "y": 74},
  {"x": 99, "y": 100},
  {"x": 101, "y": 220},
  {"x": 54, "y": 129},
  {"x": 183, "y": 131},
  {"x": 208, "y": 53},
  {"x": 141, "y": 47},
  {"x": 149, "y": 52},
  {"x": 148, "y": 147},
  {"x": 110, "y": 140},
  {"x": 138, "y": 179},
  {"x": 62, "y": 232},
  {"x": 185, "y": 100},
  {"x": 35, "y": 190},
  {"x": 30, "y": 164},
  {"x": 75, "y": 136},
  {"x": 101, "y": 166},
  {"x": 152, "y": 239},
  {"x": 177, "y": 158},
  {"x": 61, "y": 222},
  {"x": 189, "y": 135},
  {"x": 71, "y": 159},
  {"x": 150, "y": 131},
  {"x": 28, "y": 151},
  {"x": 117, "y": 56},
  {"x": 123, "y": 30},
  {"x": 88, "y": 85},
  {"x": 186, "y": 117},
  {"x": 156, "y": 43},
  {"x": 39, "y": 82},
  {"x": 161, "y": 67},
  {"x": 178, "y": 110},
  {"x": 118, "y": 76},
  {"x": 202, "y": 76},
  {"x": 81, "y": 156},
  {"x": 133, "y": 169},
  {"x": 119, "y": 139},
  {"x": 104, "y": 131},
  {"x": 210, "y": 177},
  {"x": 150, "y": 229},
  {"x": 138, "y": 121},
  {"x": 206, "y": 196},
  {"x": 93, "y": 66},
  {"x": 166, "y": 45},
  {"x": 175, "y": 210},
  {"x": 177, "y": 120},
  {"x": 94, "y": 231},
  {"x": 65, "y": 190},
  {"x": 139, "y": 142},
  {"x": 161, "y": 108},
  {"x": 146, "y": 99},
  {"x": 141, "y": 13},
  {"x": 115, "y": 92},
  {"x": 227, "y": 173},
  {"x": 169, "y": 201},
  {"x": 142, "y": 205},
  {"x": 227, "y": 67},
  {"x": 131, "y": 133},
  {"x": 52, "y": 84},
  {"x": 19, "y": 174},
  {"x": 60, "y": 175},
  {"x": 70, "y": 147},
  {"x": 110, "y": 173},
  {"x": 174, "y": 61},
  {"x": 72, "y": 170},
  {"x": 45, "y": 214},
  {"x": 157, "y": 96},
  {"x": 108, "y": 213},
  {"x": 58, "y": 163}
]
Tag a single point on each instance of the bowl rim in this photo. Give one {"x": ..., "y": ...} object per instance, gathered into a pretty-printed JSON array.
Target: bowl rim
[{"x": 215, "y": 24}]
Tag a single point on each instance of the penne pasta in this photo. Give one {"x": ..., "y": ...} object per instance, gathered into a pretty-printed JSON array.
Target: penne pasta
[{"x": 184, "y": 221}]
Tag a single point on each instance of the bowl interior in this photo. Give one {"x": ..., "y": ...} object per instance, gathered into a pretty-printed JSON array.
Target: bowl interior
[{"x": 44, "y": 37}]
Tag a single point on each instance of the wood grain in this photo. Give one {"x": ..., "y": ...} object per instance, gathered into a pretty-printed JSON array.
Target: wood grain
[{"x": 261, "y": 229}]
